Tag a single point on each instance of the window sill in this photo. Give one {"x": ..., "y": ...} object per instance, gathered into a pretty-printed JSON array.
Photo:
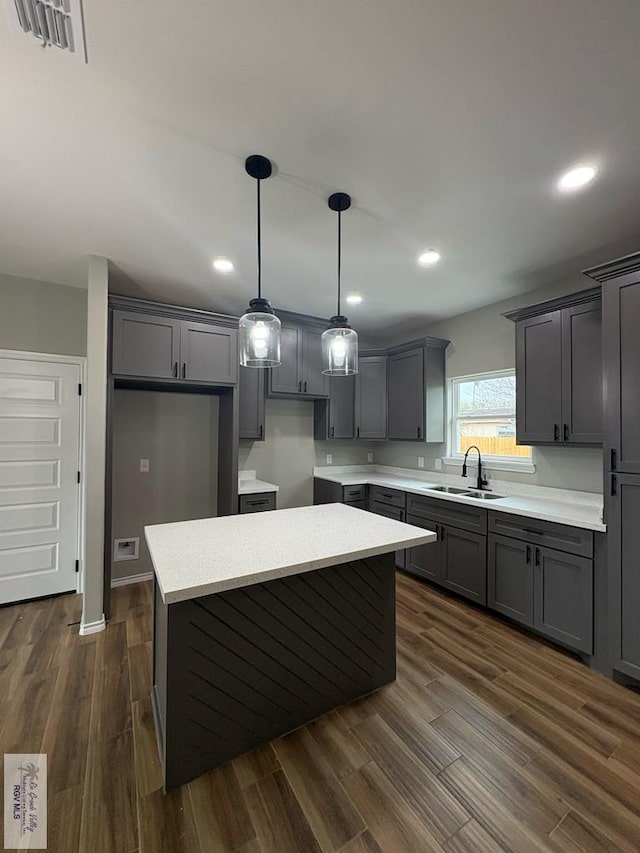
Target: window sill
[{"x": 493, "y": 464}]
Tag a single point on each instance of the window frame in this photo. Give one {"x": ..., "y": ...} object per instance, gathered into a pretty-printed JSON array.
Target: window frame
[{"x": 520, "y": 464}]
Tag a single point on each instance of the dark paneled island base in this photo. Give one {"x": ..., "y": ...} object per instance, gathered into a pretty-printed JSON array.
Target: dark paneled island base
[{"x": 236, "y": 669}]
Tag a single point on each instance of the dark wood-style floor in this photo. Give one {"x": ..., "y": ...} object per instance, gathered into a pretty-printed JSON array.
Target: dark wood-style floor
[{"x": 489, "y": 740}]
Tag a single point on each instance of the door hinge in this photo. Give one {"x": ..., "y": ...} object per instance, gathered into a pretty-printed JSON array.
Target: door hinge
[
  {"x": 78, "y": 476},
  {"x": 79, "y": 389},
  {"x": 77, "y": 566}
]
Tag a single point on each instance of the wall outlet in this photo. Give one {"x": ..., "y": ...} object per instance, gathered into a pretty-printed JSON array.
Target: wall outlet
[
  {"x": 438, "y": 464},
  {"x": 420, "y": 461},
  {"x": 126, "y": 549},
  {"x": 369, "y": 457},
  {"x": 144, "y": 466},
  {"x": 329, "y": 458}
]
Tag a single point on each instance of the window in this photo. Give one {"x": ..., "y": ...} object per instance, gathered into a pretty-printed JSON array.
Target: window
[{"x": 483, "y": 412}]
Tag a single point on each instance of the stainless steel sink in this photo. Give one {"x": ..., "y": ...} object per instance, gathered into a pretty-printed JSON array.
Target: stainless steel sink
[
  {"x": 483, "y": 496},
  {"x": 450, "y": 490}
]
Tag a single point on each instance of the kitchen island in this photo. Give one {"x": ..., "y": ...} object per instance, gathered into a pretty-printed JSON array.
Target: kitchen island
[{"x": 264, "y": 622}]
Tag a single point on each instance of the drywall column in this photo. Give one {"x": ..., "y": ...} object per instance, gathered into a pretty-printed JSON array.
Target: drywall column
[{"x": 95, "y": 444}]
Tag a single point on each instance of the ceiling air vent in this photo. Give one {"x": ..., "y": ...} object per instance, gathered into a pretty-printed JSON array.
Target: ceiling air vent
[{"x": 55, "y": 23}]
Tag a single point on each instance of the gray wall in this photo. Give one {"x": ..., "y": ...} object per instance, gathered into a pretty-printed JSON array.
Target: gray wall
[
  {"x": 288, "y": 455},
  {"x": 39, "y": 316},
  {"x": 178, "y": 433},
  {"x": 483, "y": 340}
]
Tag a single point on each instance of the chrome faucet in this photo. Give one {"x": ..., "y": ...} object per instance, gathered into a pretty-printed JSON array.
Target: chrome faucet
[{"x": 482, "y": 482}]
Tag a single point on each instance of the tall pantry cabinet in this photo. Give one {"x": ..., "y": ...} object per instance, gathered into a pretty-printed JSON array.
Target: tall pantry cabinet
[{"x": 620, "y": 282}]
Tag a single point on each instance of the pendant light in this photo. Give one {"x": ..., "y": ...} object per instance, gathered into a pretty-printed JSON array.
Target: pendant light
[
  {"x": 339, "y": 341},
  {"x": 259, "y": 328}
]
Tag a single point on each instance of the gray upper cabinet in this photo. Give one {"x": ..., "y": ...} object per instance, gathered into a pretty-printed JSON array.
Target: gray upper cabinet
[
  {"x": 539, "y": 381},
  {"x": 300, "y": 373},
  {"x": 416, "y": 391},
  {"x": 154, "y": 346},
  {"x": 371, "y": 397},
  {"x": 145, "y": 345},
  {"x": 559, "y": 391},
  {"x": 251, "y": 387},
  {"x": 208, "y": 353},
  {"x": 333, "y": 418}
]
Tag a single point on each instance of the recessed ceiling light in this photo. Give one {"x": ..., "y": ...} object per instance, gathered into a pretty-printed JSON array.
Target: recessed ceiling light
[
  {"x": 223, "y": 265},
  {"x": 429, "y": 258},
  {"x": 577, "y": 177},
  {"x": 354, "y": 299}
]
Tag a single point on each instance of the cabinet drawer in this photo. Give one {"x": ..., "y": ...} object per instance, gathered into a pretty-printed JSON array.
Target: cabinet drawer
[
  {"x": 388, "y": 511},
  {"x": 257, "y": 503},
  {"x": 353, "y": 493},
  {"x": 573, "y": 540},
  {"x": 392, "y": 497},
  {"x": 358, "y": 504},
  {"x": 448, "y": 512}
]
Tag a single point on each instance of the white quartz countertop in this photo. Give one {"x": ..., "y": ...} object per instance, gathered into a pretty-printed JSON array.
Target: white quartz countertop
[
  {"x": 195, "y": 558},
  {"x": 249, "y": 484},
  {"x": 548, "y": 504}
]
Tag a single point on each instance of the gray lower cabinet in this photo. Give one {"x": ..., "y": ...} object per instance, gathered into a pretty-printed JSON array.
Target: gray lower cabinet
[
  {"x": 464, "y": 563},
  {"x": 208, "y": 353},
  {"x": 262, "y": 502},
  {"x": 563, "y": 598},
  {"x": 370, "y": 406},
  {"x": 391, "y": 503},
  {"x": 157, "y": 347},
  {"x": 145, "y": 345},
  {"x": 510, "y": 578},
  {"x": 300, "y": 373},
  {"x": 425, "y": 560},
  {"x": 251, "y": 385}
]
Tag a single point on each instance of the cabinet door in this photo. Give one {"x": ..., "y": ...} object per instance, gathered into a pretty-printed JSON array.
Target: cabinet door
[
  {"x": 621, "y": 314},
  {"x": 145, "y": 345},
  {"x": 209, "y": 353},
  {"x": 251, "y": 402},
  {"x": 623, "y": 541},
  {"x": 425, "y": 560},
  {"x": 341, "y": 406},
  {"x": 464, "y": 563},
  {"x": 563, "y": 598},
  {"x": 286, "y": 378},
  {"x": 538, "y": 379},
  {"x": 406, "y": 395},
  {"x": 582, "y": 399},
  {"x": 510, "y": 578},
  {"x": 371, "y": 398},
  {"x": 314, "y": 382}
]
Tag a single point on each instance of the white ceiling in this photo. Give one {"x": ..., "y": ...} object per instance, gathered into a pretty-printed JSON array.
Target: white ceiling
[{"x": 448, "y": 121}]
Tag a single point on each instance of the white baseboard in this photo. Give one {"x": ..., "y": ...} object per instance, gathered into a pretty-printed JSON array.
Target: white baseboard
[
  {"x": 92, "y": 627},
  {"x": 147, "y": 576}
]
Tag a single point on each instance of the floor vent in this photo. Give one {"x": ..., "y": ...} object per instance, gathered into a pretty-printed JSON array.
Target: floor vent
[{"x": 55, "y": 23}]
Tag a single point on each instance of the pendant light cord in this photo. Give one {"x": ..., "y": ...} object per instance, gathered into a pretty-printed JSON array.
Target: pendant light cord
[
  {"x": 339, "y": 255},
  {"x": 259, "y": 246}
]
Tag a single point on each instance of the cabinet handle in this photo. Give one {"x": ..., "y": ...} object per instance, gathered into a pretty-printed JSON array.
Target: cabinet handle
[
  {"x": 614, "y": 485},
  {"x": 537, "y": 556},
  {"x": 184, "y": 369},
  {"x": 175, "y": 369},
  {"x": 556, "y": 432},
  {"x": 437, "y": 532},
  {"x": 261, "y": 430},
  {"x": 614, "y": 459},
  {"x": 305, "y": 386},
  {"x": 533, "y": 530},
  {"x": 300, "y": 387},
  {"x": 418, "y": 432},
  {"x": 333, "y": 431},
  {"x": 358, "y": 432},
  {"x": 528, "y": 553},
  {"x": 566, "y": 432}
]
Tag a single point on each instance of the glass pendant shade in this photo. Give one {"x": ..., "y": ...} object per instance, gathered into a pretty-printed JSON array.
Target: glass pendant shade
[
  {"x": 259, "y": 331},
  {"x": 339, "y": 348}
]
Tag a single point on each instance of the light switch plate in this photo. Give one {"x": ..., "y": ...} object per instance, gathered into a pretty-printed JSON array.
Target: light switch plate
[
  {"x": 438, "y": 464},
  {"x": 144, "y": 466},
  {"x": 329, "y": 459},
  {"x": 369, "y": 457},
  {"x": 420, "y": 461}
]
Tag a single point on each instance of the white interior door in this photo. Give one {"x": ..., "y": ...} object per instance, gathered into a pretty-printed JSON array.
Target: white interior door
[{"x": 39, "y": 463}]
